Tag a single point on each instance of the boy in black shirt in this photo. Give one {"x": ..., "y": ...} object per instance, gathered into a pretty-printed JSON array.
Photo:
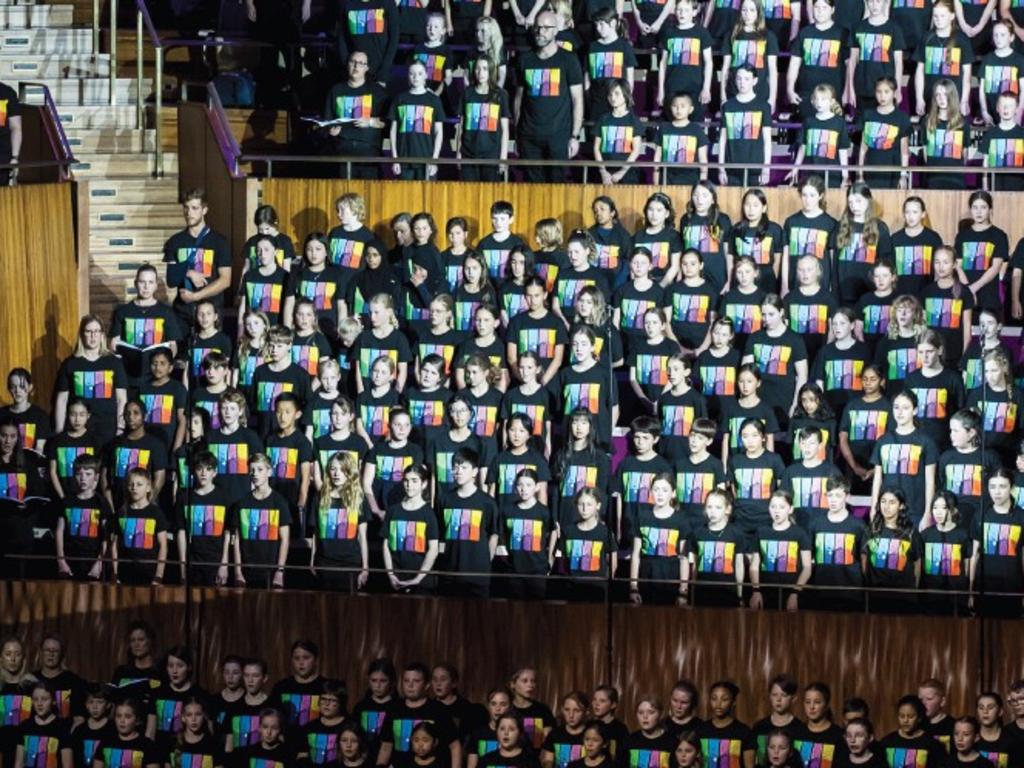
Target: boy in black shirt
[
  {"x": 275, "y": 377},
  {"x": 291, "y": 454},
  {"x": 403, "y": 715},
  {"x": 82, "y": 528},
  {"x": 469, "y": 527},
  {"x": 417, "y": 126},
  {"x": 201, "y": 519}
]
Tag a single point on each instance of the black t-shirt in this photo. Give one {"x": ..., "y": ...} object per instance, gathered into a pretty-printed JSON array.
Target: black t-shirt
[
  {"x": 525, "y": 532},
  {"x": 265, "y": 293},
  {"x": 756, "y": 50},
  {"x": 389, "y": 463},
  {"x": 408, "y": 534},
  {"x": 115, "y": 752},
  {"x": 417, "y": 116},
  {"x": 541, "y": 335},
  {"x": 234, "y": 453},
  {"x": 288, "y": 455},
  {"x": 467, "y": 522},
  {"x": 734, "y": 413},
  {"x": 877, "y": 46},
  {"x": 694, "y": 481},
  {"x": 586, "y": 555},
  {"x": 903, "y": 460},
  {"x": 913, "y": 258},
  {"x": 163, "y": 402},
  {"x": 819, "y": 750},
  {"x": 836, "y": 552},
  {"x": 944, "y": 559},
  {"x": 371, "y": 27},
  {"x": 891, "y": 556},
  {"x": 710, "y": 238},
  {"x": 616, "y": 135},
  {"x": 325, "y": 288},
  {"x": 691, "y": 308},
  {"x": 922, "y": 750},
  {"x": 362, "y": 102},
  {"x": 724, "y": 747},
  {"x": 268, "y": 384},
  {"x": 809, "y": 236},
  {"x": 546, "y": 82},
  {"x": 780, "y": 553},
  {"x": 744, "y": 124},
  {"x": 754, "y": 479},
  {"x": 97, "y": 382},
  {"x": 776, "y": 358},
  {"x": 207, "y": 751},
  {"x": 259, "y": 756},
  {"x": 300, "y": 702},
  {"x": 807, "y": 485},
  {"x": 823, "y": 140},
  {"x": 943, "y": 58},
  {"x": 258, "y": 523},
  {"x": 85, "y": 739},
  {"x": 284, "y": 249},
  {"x": 977, "y": 251},
  {"x": 369, "y": 347},
  {"x": 1000, "y": 74},
  {"x": 124, "y": 453},
  {"x": 1001, "y": 148},
  {"x": 206, "y": 254},
  {"x": 204, "y": 519},
  {"x": 938, "y": 398},
  {"x": 683, "y": 52},
  {"x": 482, "y": 115},
  {"x": 823, "y": 54},
  {"x": 401, "y": 719},
  {"x": 138, "y": 328},
  {"x": 86, "y": 528},
  {"x": 855, "y": 259},
  {"x": 864, "y": 424},
  {"x": 9, "y": 107},
  {"x": 999, "y": 536},
  {"x": 840, "y": 371}
]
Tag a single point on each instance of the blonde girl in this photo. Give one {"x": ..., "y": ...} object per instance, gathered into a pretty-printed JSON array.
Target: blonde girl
[{"x": 339, "y": 539}]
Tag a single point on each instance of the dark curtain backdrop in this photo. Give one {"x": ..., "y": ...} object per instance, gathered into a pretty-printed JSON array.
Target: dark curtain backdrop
[{"x": 644, "y": 651}]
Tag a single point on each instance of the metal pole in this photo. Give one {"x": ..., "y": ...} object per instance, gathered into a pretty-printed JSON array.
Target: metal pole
[
  {"x": 95, "y": 29},
  {"x": 113, "y": 51},
  {"x": 140, "y": 122},
  {"x": 158, "y": 84}
]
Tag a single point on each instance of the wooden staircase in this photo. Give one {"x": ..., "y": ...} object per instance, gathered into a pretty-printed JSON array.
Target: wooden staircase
[{"x": 125, "y": 212}]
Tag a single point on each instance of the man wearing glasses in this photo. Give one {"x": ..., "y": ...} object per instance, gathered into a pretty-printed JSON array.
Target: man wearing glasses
[
  {"x": 360, "y": 103},
  {"x": 549, "y": 103}
]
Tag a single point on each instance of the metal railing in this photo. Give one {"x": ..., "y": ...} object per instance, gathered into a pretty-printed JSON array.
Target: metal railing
[
  {"x": 557, "y": 585},
  {"x": 54, "y": 129},
  {"x": 226, "y": 142}
]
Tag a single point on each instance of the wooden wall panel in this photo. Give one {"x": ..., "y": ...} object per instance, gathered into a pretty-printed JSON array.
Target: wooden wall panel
[
  {"x": 878, "y": 657},
  {"x": 38, "y": 281},
  {"x": 307, "y": 205}
]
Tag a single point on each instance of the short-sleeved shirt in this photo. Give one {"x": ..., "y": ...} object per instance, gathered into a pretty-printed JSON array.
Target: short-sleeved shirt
[
  {"x": 546, "y": 83},
  {"x": 417, "y": 116},
  {"x": 206, "y": 254}
]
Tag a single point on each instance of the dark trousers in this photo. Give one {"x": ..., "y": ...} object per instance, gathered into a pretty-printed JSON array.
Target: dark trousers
[{"x": 551, "y": 147}]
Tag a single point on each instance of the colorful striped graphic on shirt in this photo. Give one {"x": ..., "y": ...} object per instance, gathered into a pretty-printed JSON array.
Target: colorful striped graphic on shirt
[
  {"x": 998, "y": 759},
  {"x": 652, "y": 370},
  {"x": 876, "y": 319},
  {"x": 913, "y": 260},
  {"x": 461, "y": 524},
  {"x": 338, "y": 524},
  {"x": 267, "y": 393},
  {"x": 576, "y": 478},
  {"x": 307, "y": 357},
  {"x": 83, "y": 522},
  {"x": 804, "y": 241},
  {"x": 772, "y": 359},
  {"x": 808, "y": 319},
  {"x": 932, "y": 403},
  {"x": 525, "y": 535},
  {"x": 901, "y": 363},
  {"x": 880, "y": 136},
  {"x": 264, "y": 297},
  {"x": 1000, "y": 79},
  {"x": 902, "y": 757},
  {"x": 717, "y": 380},
  {"x": 426, "y": 413},
  {"x": 366, "y": 22},
  {"x": 809, "y": 493},
  {"x": 943, "y": 559},
  {"x": 779, "y": 556},
  {"x": 544, "y": 82},
  {"x": 301, "y": 707},
  {"x": 582, "y": 395},
  {"x": 536, "y": 413},
  {"x": 245, "y": 729},
  {"x": 867, "y": 425},
  {"x": 391, "y": 469},
  {"x": 606, "y": 64},
  {"x": 821, "y": 143},
  {"x": 259, "y": 524},
  {"x": 888, "y": 553},
  {"x": 15, "y": 708},
  {"x": 159, "y": 408},
  {"x": 690, "y": 308},
  {"x": 13, "y": 485},
  {"x": 206, "y": 519},
  {"x": 716, "y": 557},
  {"x": 354, "y": 108},
  {"x": 694, "y": 487},
  {"x": 677, "y": 420},
  {"x": 369, "y": 719},
  {"x": 122, "y": 758},
  {"x": 406, "y": 536},
  {"x": 484, "y": 421},
  {"x": 506, "y": 482},
  {"x": 415, "y": 118},
  {"x": 481, "y": 116},
  {"x": 232, "y": 458},
  {"x": 1002, "y": 539},
  {"x": 130, "y": 458},
  {"x": 198, "y": 259},
  {"x": 285, "y": 462},
  {"x": 874, "y": 47},
  {"x": 999, "y": 417},
  {"x": 944, "y": 144},
  {"x": 367, "y": 356},
  {"x": 65, "y": 458},
  {"x": 659, "y": 542},
  {"x": 41, "y": 751},
  {"x": 683, "y": 51},
  {"x": 433, "y": 63},
  {"x": 749, "y": 52},
  {"x": 94, "y": 385},
  {"x": 977, "y": 256},
  {"x": 835, "y": 548},
  {"x": 746, "y": 318},
  {"x": 584, "y": 556},
  {"x": 698, "y": 237},
  {"x": 137, "y": 532},
  {"x": 743, "y": 125},
  {"x": 900, "y": 459},
  {"x": 963, "y": 479},
  {"x": 941, "y": 61},
  {"x": 844, "y": 375},
  {"x": 168, "y": 715},
  {"x": 608, "y": 258},
  {"x": 636, "y": 487},
  {"x": 722, "y": 753},
  {"x": 754, "y": 483},
  {"x": 1005, "y": 153},
  {"x": 814, "y": 754},
  {"x": 858, "y": 251},
  {"x": 323, "y": 748},
  {"x": 143, "y": 331},
  {"x": 818, "y": 52},
  {"x": 542, "y": 341}
]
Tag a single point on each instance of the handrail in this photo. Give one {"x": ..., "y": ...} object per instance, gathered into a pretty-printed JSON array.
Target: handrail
[
  {"x": 112, "y": 75},
  {"x": 712, "y": 167},
  {"x": 54, "y": 129},
  {"x": 226, "y": 141},
  {"x": 144, "y": 21}
]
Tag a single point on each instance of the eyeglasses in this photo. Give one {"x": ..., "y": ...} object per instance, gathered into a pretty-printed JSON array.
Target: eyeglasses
[{"x": 358, "y": 63}]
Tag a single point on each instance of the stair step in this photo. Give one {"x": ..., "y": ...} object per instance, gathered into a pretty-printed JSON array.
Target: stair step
[
  {"x": 135, "y": 217},
  {"x": 112, "y": 140},
  {"x": 111, "y": 192},
  {"x": 46, "y": 41},
  {"x": 86, "y": 91},
  {"x": 97, "y": 117},
  {"x": 46, "y": 65},
  {"x": 131, "y": 241},
  {"x": 128, "y": 164},
  {"x": 24, "y": 16}
]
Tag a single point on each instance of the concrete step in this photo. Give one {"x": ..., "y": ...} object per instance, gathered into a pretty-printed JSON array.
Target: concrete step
[
  {"x": 91, "y": 91},
  {"x": 135, "y": 218},
  {"x": 114, "y": 192},
  {"x": 96, "y": 117},
  {"x": 25, "y": 16},
  {"x": 46, "y": 41},
  {"x": 44, "y": 65},
  {"x": 105, "y": 165},
  {"x": 111, "y": 140},
  {"x": 133, "y": 241}
]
